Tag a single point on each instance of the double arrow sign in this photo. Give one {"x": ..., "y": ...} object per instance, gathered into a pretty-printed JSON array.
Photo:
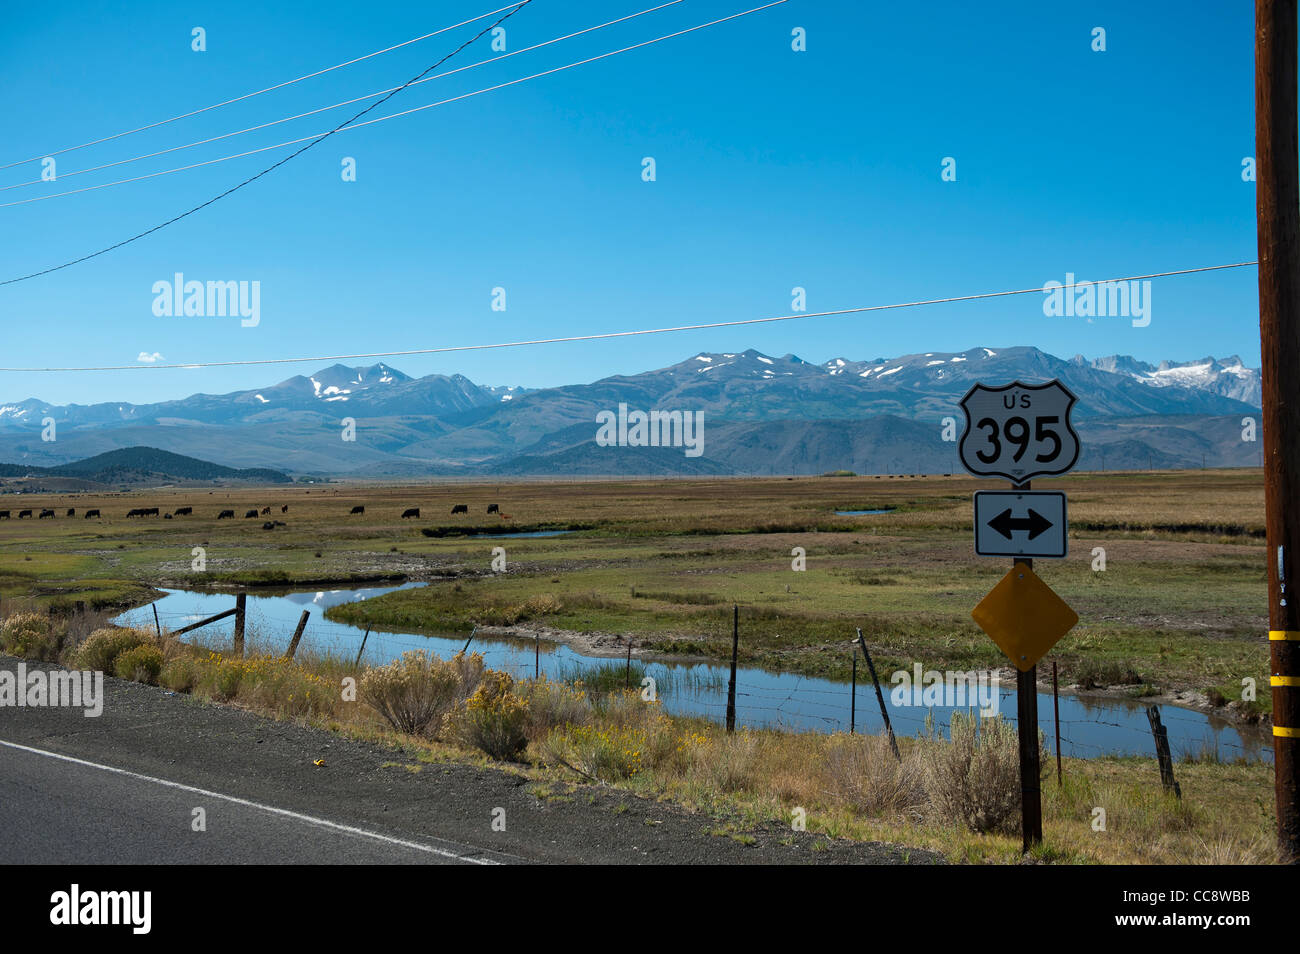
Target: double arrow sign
[{"x": 1020, "y": 523}]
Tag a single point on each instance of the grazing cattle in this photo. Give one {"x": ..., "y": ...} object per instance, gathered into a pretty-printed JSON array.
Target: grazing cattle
[
  {"x": 284, "y": 509},
  {"x": 91, "y": 513},
  {"x": 24, "y": 513},
  {"x": 4, "y": 514},
  {"x": 410, "y": 512},
  {"x": 251, "y": 513},
  {"x": 460, "y": 508},
  {"x": 183, "y": 511},
  {"x": 151, "y": 511},
  {"x": 358, "y": 510},
  {"x": 268, "y": 525},
  {"x": 72, "y": 511},
  {"x": 265, "y": 511},
  {"x": 46, "y": 513},
  {"x": 224, "y": 514},
  {"x": 135, "y": 512},
  {"x": 493, "y": 508}
]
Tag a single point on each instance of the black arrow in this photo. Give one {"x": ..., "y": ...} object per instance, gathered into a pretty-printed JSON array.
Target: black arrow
[{"x": 1035, "y": 523}]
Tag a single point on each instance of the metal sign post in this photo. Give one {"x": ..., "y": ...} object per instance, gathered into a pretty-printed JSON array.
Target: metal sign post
[{"x": 1020, "y": 431}]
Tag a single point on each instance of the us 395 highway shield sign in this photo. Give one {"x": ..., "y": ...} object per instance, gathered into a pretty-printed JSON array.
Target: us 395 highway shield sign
[{"x": 1018, "y": 431}]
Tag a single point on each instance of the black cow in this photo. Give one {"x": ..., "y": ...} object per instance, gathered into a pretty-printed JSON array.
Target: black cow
[
  {"x": 24, "y": 513},
  {"x": 224, "y": 514},
  {"x": 91, "y": 513},
  {"x": 284, "y": 509},
  {"x": 135, "y": 512},
  {"x": 265, "y": 511},
  {"x": 358, "y": 510},
  {"x": 410, "y": 512},
  {"x": 460, "y": 508},
  {"x": 183, "y": 511},
  {"x": 250, "y": 513},
  {"x": 72, "y": 511},
  {"x": 4, "y": 514},
  {"x": 268, "y": 525},
  {"x": 46, "y": 513},
  {"x": 151, "y": 511},
  {"x": 493, "y": 508}
]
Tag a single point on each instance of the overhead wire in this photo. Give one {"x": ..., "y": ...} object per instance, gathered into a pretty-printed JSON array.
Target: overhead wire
[
  {"x": 313, "y": 112},
  {"x": 235, "y": 188},
  {"x": 371, "y": 122},
  {"x": 797, "y": 316},
  {"x": 196, "y": 112}
]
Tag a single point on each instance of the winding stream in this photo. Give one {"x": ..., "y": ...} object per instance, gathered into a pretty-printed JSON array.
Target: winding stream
[{"x": 1089, "y": 727}]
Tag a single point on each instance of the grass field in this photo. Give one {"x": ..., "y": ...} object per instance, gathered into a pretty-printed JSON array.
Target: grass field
[{"x": 1179, "y": 606}]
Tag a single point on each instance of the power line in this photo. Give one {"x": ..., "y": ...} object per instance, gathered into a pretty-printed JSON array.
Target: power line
[
  {"x": 195, "y": 112},
  {"x": 629, "y": 334},
  {"x": 380, "y": 119},
  {"x": 273, "y": 166},
  {"x": 311, "y": 112}
]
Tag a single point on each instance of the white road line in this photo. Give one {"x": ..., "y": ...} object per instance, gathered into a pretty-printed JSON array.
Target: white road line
[{"x": 298, "y": 816}]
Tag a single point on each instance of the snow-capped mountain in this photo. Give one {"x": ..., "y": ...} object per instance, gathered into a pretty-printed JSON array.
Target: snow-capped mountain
[
  {"x": 1228, "y": 377},
  {"x": 765, "y": 414}
]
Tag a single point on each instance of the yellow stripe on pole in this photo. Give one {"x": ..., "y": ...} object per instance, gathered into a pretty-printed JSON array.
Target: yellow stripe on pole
[
  {"x": 1292, "y": 635},
  {"x": 1286, "y": 733},
  {"x": 1292, "y": 681}
]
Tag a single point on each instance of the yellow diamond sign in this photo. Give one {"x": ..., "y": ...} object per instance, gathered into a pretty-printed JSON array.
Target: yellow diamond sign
[{"x": 1024, "y": 617}]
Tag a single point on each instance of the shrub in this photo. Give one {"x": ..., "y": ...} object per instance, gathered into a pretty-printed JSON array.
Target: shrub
[
  {"x": 543, "y": 604},
  {"x": 975, "y": 779},
  {"x": 1099, "y": 674},
  {"x": 863, "y": 771},
  {"x": 275, "y": 683},
  {"x": 180, "y": 674},
  {"x": 469, "y": 672},
  {"x": 730, "y": 761},
  {"x": 494, "y": 719},
  {"x": 603, "y": 752},
  {"x": 218, "y": 677},
  {"x": 552, "y": 705},
  {"x": 103, "y": 646},
  {"x": 413, "y": 692},
  {"x": 143, "y": 663},
  {"x": 30, "y": 636}
]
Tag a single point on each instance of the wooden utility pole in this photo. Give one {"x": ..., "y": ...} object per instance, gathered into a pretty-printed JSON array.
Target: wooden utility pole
[{"x": 1277, "y": 198}]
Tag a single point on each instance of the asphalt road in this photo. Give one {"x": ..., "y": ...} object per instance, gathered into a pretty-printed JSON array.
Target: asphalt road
[{"x": 123, "y": 788}]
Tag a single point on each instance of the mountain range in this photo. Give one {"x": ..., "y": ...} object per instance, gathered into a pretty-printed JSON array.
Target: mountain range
[{"x": 762, "y": 414}]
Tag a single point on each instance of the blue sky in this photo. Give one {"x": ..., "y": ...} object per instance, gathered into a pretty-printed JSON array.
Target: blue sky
[{"x": 775, "y": 169}]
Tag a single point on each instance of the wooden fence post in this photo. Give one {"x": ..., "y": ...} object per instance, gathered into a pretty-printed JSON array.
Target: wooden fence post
[
  {"x": 240, "y": 601},
  {"x": 297, "y": 634},
  {"x": 367, "y": 636},
  {"x": 1162, "y": 752},
  {"x": 156, "y": 625},
  {"x": 853, "y": 697},
  {"x": 1056, "y": 713},
  {"x": 731, "y": 683},
  {"x": 880, "y": 697}
]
